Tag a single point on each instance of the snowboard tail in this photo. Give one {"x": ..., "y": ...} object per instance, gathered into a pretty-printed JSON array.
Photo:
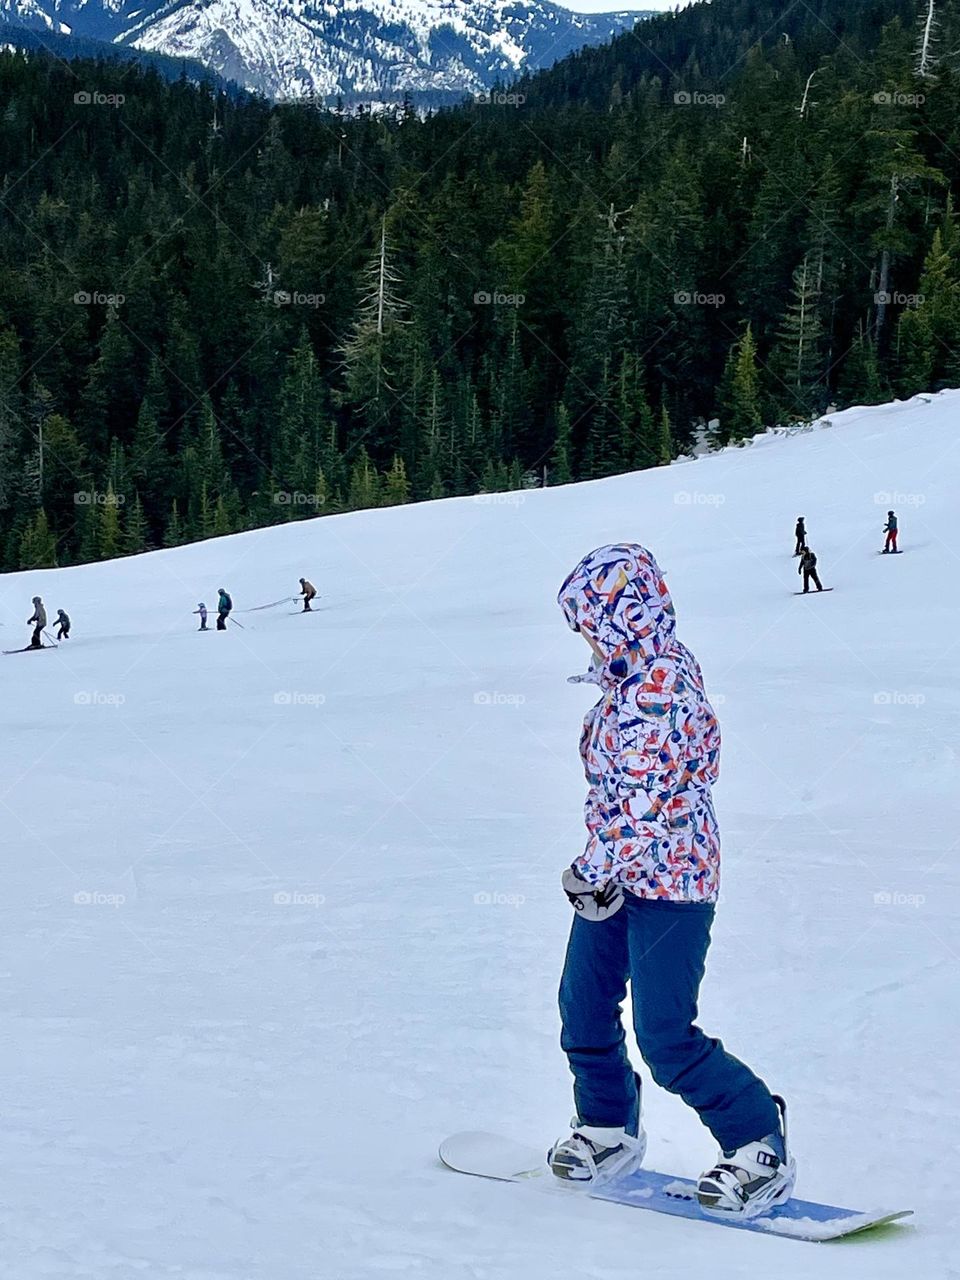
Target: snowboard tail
[{"x": 487, "y": 1155}]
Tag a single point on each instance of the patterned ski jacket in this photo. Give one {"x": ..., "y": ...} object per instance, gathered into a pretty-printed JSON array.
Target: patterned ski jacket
[{"x": 651, "y": 745}]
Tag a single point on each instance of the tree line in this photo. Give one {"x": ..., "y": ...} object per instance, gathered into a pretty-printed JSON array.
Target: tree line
[{"x": 218, "y": 313}]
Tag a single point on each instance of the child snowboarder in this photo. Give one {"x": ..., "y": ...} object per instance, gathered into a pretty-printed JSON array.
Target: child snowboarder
[
  {"x": 308, "y": 591},
  {"x": 644, "y": 893},
  {"x": 891, "y": 529},
  {"x": 63, "y": 624},
  {"x": 224, "y": 605},
  {"x": 40, "y": 619},
  {"x": 808, "y": 567},
  {"x": 801, "y": 534},
  {"x": 202, "y": 610}
]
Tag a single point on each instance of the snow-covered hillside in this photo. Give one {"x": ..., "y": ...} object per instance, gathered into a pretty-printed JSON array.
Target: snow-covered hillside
[
  {"x": 294, "y": 48},
  {"x": 281, "y": 906}
]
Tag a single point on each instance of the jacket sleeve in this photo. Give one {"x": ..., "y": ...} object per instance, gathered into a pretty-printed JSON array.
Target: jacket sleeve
[{"x": 667, "y": 756}]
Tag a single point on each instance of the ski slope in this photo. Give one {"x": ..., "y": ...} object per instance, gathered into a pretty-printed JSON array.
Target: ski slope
[{"x": 281, "y": 906}]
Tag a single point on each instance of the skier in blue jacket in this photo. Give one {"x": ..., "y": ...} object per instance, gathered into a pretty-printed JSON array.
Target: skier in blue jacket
[{"x": 224, "y": 605}]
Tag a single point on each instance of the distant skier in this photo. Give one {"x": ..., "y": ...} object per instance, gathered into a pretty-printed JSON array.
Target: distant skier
[
  {"x": 308, "y": 591},
  {"x": 644, "y": 893},
  {"x": 202, "y": 610},
  {"x": 63, "y": 624},
  {"x": 808, "y": 567},
  {"x": 40, "y": 618},
  {"x": 224, "y": 605},
  {"x": 891, "y": 529},
  {"x": 801, "y": 534}
]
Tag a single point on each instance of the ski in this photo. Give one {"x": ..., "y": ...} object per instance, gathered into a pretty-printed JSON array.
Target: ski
[
  {"x": 31, "y": 648},
  {"x": 487, "y": 1155}
]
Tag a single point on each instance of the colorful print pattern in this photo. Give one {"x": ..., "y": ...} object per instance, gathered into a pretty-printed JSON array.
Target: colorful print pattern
[{"x": 651, "y": 745}]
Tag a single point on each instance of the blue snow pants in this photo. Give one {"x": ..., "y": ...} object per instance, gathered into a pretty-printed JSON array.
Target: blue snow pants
[{"x": 661, "y": 948}]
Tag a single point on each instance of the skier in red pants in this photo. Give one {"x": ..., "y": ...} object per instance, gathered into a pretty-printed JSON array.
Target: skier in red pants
[{"x": 891, "y": 529}]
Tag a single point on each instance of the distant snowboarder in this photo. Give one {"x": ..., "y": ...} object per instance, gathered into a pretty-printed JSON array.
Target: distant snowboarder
[
  {"x": 808, "y": 567},
  {"x": 308, "y": 591},
  {"x": 644, "y": 892},
  {"x": 63, "y": 624},
  {"x": 891, "y": 529},
  {"x": 801, "y": 534},
  {"x": 224, "y": 605},
  {"x": 202, "y": 610},
  {"x": 40, "y": 618}
]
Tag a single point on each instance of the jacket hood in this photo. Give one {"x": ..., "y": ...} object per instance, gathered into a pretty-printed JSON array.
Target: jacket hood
[{"x": 617, "y": 597}]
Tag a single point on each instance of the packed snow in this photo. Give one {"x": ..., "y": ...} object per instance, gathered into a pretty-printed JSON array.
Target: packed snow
[{"x": 282, "y": 906}]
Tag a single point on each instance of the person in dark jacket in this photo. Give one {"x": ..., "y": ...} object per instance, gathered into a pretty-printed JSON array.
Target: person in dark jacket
[
  {"x": 63, "y": 625},
  {"x": 801, "y": 534},
  {"x": 224, "y": 605},
  {"x": 39, "y": 618},
  {"x": 891, "y": 529},
  {"x": 808, "y": 567},
  {"x": 308, "y": 591}
]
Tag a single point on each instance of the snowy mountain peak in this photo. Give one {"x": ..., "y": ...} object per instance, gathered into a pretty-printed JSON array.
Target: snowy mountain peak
[{"x": 353, "y": 48}]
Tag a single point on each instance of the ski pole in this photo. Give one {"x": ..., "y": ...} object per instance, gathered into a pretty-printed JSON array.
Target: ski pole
[
  {"x": 239, "y": 624},
  {"x": 49, "y": 637}
]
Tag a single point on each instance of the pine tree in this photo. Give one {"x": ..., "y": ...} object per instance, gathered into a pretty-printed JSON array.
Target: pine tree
[
  {"x": 396, "y": 488},
  {"x": 797, "y": 361},
  {"x": 109, "y": 543},
  {"x": 928, "y": 333},
  {"x": 371, "y": 353},
  {"x": 860, "y": 379},
  {"x": 364, "y": 483},
  {"x": 739, "y": 395},
  {"x": 173, "y": 534},
  {"x": 665, "y": 446},
  {"x": 560, "y": 470},
  {"x": 38, "y": 546},
  {"x": 134, "y": 538}
]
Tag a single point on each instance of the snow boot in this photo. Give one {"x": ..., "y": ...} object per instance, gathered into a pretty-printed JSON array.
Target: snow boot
[
  {"x": 593, "y": 1155},
  {"x": 752, "y": 1179}
]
